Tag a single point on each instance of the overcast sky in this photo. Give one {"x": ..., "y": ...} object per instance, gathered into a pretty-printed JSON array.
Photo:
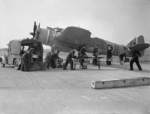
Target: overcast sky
[{"x": 118, "y": 21}]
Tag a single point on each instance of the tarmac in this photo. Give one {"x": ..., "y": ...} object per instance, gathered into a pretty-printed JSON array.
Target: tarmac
[{"x": 55, "y": 91}]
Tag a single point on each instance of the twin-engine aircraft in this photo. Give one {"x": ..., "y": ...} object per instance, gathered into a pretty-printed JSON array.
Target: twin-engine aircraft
[{"x": 74, "y": 37}]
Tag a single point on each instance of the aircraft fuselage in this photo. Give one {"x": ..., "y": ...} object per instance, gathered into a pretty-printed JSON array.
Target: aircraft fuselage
[{"x": 73, "y": 37}]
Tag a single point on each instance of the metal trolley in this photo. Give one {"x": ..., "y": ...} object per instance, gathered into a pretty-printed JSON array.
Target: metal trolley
[{"x": 86, "y": 63}]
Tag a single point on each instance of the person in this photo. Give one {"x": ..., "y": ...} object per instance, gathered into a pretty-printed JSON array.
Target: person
[
  {"x": 95, "y": 54},
  {"x": 38, "y": 50},
  {"x": 47, "y": 59},
  {"x": 54, "y": 57},
  {"x": 51, "y": 58},
  {"x": 26, "y": 60},
  {"x": 81, "y": 55},
  {"x": 109, "y": 55},
  {"x": 22, "y": 51},
  {"x": 69, "y": 60},
  {"x": 122, "y": 55},
  {"x": 135, "y": 58}
]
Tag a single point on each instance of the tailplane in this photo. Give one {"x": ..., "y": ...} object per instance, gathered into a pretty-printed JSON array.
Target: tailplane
[
  {"x": 138, "y": 40},
  {"x": 138, "y": 44}
]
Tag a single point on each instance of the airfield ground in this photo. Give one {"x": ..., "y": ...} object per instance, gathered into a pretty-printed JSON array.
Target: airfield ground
[{"x": 56, "y": 91}]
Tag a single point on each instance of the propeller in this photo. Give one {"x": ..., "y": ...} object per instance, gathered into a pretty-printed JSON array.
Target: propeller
[{"x": 34, "y": 29}]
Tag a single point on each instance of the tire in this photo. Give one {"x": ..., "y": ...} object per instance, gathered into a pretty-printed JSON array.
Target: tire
[
  {"x": 3, "y": 65},
  {"x": 16, "y": 65}
]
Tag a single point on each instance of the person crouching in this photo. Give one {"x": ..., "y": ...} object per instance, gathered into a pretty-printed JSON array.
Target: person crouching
[
  {"x": 27, "y": 60},
  {"x": 69, "y": 60}
]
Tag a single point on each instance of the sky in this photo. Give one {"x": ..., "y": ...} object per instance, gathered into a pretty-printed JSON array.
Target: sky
[{"x": 118, "y": 21}]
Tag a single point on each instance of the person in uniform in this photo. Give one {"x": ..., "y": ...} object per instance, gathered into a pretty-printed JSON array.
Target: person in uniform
[
  {"x": 26, "y": 60},
  {"x": 51, "y": 58},
  {"x": 38, "y": 50},
  {"x": 135, "y": 58},
  {"x": 109, "y": 55},
  {"x": 55, "y": 57},
  {"x": 47, "y": 59},
  {"x": 81, "y": 55},
  {"x": 95, "y": 54},
  {"x": 122, "y": 55},
  {"x": 69, "y": 60}
]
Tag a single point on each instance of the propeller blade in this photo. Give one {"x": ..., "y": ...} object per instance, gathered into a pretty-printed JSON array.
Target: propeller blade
[{"x": 34, "y": 28}]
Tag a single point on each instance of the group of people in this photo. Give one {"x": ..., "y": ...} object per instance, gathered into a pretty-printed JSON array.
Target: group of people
[
  {"x": 81, "y": 56},
  {"x": 51, "y": 57},
  {"x": 122, "y": 56}
]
